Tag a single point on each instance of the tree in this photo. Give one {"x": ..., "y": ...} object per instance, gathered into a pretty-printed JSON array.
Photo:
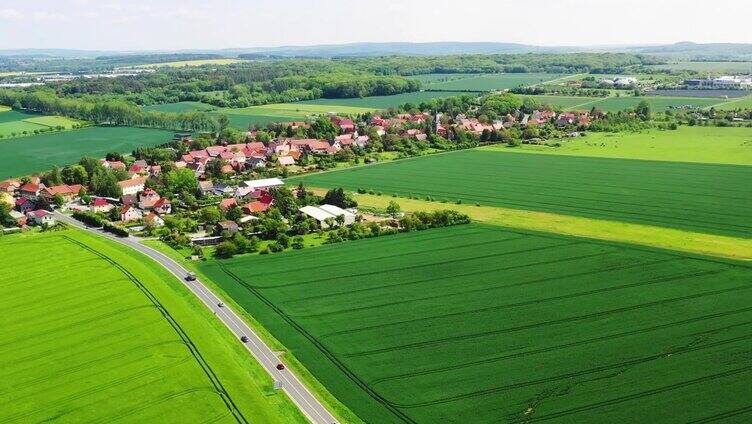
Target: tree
[
  {"x": 226, "y": 249},
  {"x": 209, "y": 215},
  {"x": 58, "y": 200},
  {"x": 5, "y": 219},
  {"x": 393, "y": 209},
  {"x": 105, "y": 183},
  {"x": 181, "y": 180},
  {"x": 75, "y": 174},
  {"x": 643, "y": 110},
  {"x": 90, "y": 165},
  {"x": 223, "y": 122},
  {"x": 338, "y": 197},
  {"x": 52, "y": 178},
  {"x": 214, "y": 167}
]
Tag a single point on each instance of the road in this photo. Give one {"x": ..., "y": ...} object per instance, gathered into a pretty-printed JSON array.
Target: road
[{"x": 291, "y": 384}]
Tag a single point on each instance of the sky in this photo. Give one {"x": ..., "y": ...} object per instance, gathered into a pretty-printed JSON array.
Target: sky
[{"x": 214, "y": 24}]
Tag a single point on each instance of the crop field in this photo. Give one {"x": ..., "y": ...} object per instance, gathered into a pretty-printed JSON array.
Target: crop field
[
  {"x": 714, "y": 199},
  {"x": 21, "y": 156},
  {"x": 180, "y": 107},
  {"x": 731, "y": 67},
  {"x": 740, "y": 103},
  {"x": 657, "y": 104},
  {"x": 15, "y": 123},
  {"x": 201, "y": 62},
  {"x": 385, "y": 102},
  {"x": 282, "y": 112},
  {"x": 489, "y": 82},
  {"x": 731, "y": 146},
  {"x": 508, "y": 326},
  {"x": 718, "y": 94},
  {"x": 564, "y": 102},
  {"x": 96, "y": 336}
]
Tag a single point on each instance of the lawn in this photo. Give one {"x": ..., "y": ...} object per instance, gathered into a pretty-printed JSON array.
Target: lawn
[
  {"x": 36, "y": 153},
  {"x": 99, "y": 334},
  {"x": 687, "y": 144},
  {"x": 489, "y": 82},
  {"x": 180, "y": 107},
  {"x": 385, "y": 102},
  {"x": 508, "y": 326},
  {"x": 708, "y": 198}
]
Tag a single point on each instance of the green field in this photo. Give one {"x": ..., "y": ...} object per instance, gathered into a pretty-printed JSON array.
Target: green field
[
  {"x": 14, "y": 123},
  {"x": 657, "y": 104},
  {"x": 385, "y": 102},
  {"x": 507, "y": 326},
  {"x": 564, "y": 102},
  {"x": 283, "y": 112},
  {"x": 715, "y": 199},
  {"x": 739, "y": 103},
  {"x": 20, "y": 156},
  {"x": 98, "y": 335},
  {"x": 201, "y": 62},
  {"x": 730, "y": 67},
  {"x": 180, "y": 107},
  {"x": 731, "y": 146},
  {"x": 489, "y": 82}
]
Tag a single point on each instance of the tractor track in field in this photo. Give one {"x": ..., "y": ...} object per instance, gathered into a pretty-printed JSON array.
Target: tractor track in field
[
  {"x": 195, "y": 353},
  {"x": 593, "y": 315}
]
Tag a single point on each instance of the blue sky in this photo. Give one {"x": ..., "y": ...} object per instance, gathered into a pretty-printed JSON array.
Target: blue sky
[{"x": 182, "y": 24}]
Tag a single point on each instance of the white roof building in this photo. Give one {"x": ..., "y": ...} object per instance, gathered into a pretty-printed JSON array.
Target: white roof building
[
  {"x": 324, "y": 212},
  {"x": 263, "y": 184}
]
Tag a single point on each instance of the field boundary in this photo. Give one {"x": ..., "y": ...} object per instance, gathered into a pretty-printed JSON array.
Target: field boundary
[{"x": 203, "y": 364}]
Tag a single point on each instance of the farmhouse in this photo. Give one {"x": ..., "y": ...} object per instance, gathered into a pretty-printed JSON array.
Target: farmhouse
[
  {"x": 40, "y": 217},
  {"x": 69, "y": 192},
  {"x": 30, "y": 191},
  {"x": 328, "y": 212},
  {"x": 132, "y": 186},
  {"x": 100, "y": 205},
  {"x": 154, "y": 219},
  {"x": 129, "y": 213}
]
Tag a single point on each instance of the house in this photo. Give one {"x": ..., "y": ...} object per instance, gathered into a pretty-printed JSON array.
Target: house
[
  {"x": 154, "y": 219},
  {"x": 229, "y": 226},
  {"x": 285, "y": 160},
  {"x": 263, "y": 184},
  {"x": 346, "y": 125},
  {"x": 226, "y": 204},
  {"x": 222, "y": 189},
  {"x": 163, "y": 207},
  {"x": 566, "y": 118},
  {"x": 40, "y": 217},
  {"x": 148, "y": 198},
  {"x": 256, "y": 207},
  {"x": 325, "y": 212},
  {"x": 133, "y": 185},
  {"x": 19, "y": 217},
  {"x": 24, "y": 205},
  {"x": 9, "y": 186},
  {"x": 100, "y": 205},
  {"x": 256, "y": 162},
  {"x": 68, "y": 192},
  {"x": 206, "y": 187},
  {"x": 30, "y": 191},
  {"x": 129, "y": 213}
]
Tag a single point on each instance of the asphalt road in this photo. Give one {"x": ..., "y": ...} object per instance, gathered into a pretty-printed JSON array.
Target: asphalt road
[{"x": 295, "y": 389}]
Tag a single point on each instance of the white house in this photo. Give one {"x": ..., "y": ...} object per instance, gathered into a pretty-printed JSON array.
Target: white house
[
  {"x": 264, "y": 184},
  {"x": 129, "y": 213},
  {"x": 40, "y": 217},
  {"x": 132, "y": 186},
  {"x": 324, "y": 212}
]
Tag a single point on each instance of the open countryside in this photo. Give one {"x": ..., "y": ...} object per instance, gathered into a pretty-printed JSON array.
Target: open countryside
[
  {"x": 467, "y": 321},
  {"x": 102, "y": 328},
  {"x": 26, "y": 155},
  {"x": 647, "y": 192},
  {"x": 488, "y": 82}
]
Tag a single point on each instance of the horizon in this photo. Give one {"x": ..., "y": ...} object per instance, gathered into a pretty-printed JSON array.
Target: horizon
[{"x": 117, "y": 25}]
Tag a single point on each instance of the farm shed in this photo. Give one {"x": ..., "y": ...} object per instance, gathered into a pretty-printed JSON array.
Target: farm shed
[{"x": 324, "y": 212}]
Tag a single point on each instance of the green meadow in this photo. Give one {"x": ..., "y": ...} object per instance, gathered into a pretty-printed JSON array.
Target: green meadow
[
  {"x": 731, "y": 146},
  {"x": 15, "y": 123},
  {"x": 180, "y": 107},
  {"x": 99, "y": 334},
  {"x": 384, "y": 102},
  {"x": 508, "y": 326},
  {"x": 486, "y": 82},
  {"x": 36, "y": 153}
]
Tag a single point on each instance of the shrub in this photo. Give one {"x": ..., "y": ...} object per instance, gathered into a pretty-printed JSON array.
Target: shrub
[
  {"x": 225, "y": 250},
  {"x": 297, "y": 243},
  {"x": 275, "y": 247}
]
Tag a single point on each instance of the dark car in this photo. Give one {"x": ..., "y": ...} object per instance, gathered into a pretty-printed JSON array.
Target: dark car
[
  {"x": 280, "y": 366},
  {"x": 220, "y": 304},
  {"x": 190, "y": 277},
  {"x": 244, "y": 339}
]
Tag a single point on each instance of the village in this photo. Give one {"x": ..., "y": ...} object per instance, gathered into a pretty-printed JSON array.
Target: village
[{"x": 232, "y": 187}]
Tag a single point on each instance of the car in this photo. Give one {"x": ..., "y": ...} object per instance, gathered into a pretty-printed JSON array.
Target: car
[
  {"x": 190, "y": 277},
  {"x": 244, "y": 339},
  {"x": 280, "y": 366},
  {"x": 220, "y": 304}
]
